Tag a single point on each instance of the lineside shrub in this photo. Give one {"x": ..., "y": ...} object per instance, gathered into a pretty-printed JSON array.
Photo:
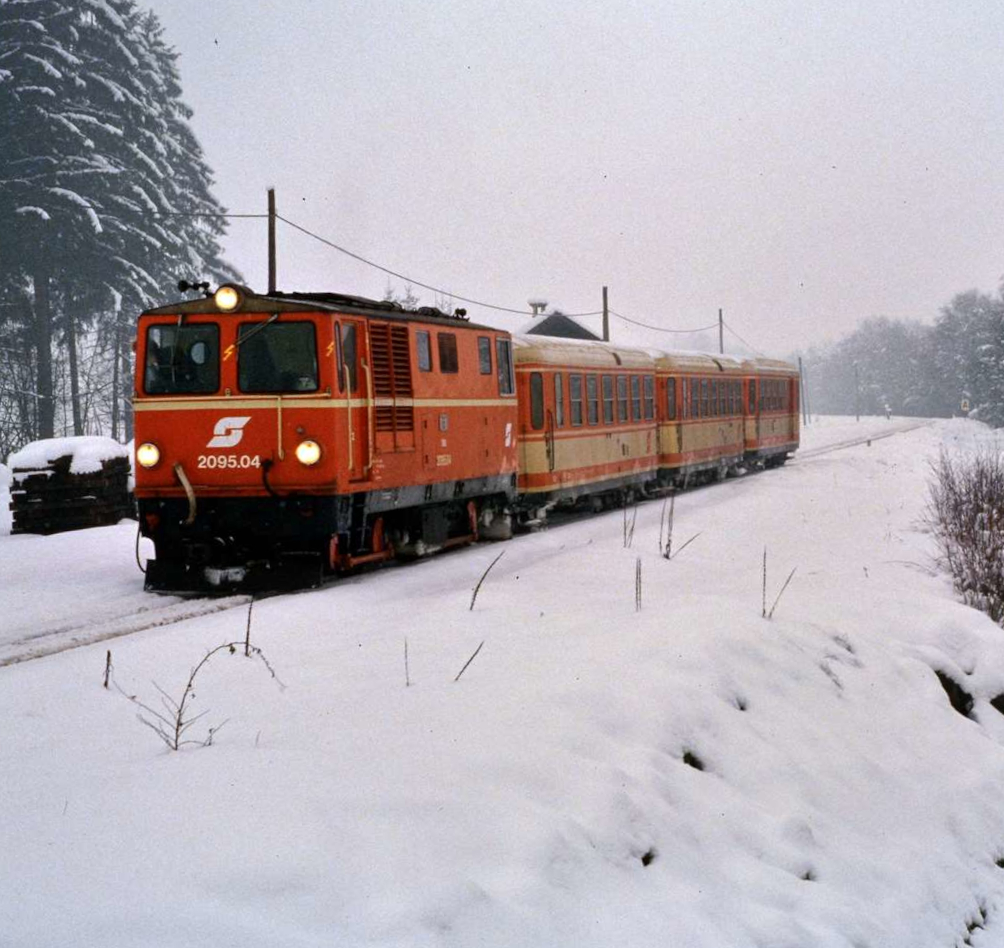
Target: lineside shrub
[{"x": 966, "y": 515}]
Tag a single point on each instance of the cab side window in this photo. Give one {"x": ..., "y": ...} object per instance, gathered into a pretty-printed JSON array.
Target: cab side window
[
  {"x": 503, "y": 362},
  {"x": 484, "y": 355},
  {"x": 423, "y": 349},
  {"x": 448, "y": 361}
]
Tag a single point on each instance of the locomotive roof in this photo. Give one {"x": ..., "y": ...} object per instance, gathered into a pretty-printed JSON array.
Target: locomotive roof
[{"x": 312, "y": 303}]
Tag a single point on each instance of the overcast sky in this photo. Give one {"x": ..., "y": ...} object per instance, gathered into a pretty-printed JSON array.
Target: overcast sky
[{"x": 803, "y": 165}]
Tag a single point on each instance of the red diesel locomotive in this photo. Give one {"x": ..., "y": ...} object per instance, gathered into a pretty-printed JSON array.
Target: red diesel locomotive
[{"x": 283, "y": 437}]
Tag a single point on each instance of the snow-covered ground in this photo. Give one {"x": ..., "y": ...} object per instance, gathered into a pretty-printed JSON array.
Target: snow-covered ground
[{"x": 550, "y": 796}]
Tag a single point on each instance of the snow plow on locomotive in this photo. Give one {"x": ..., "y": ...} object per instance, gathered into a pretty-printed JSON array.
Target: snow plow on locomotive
[
  {"x": 283, "y": 437},
  {"x": 288, "y": 436}
]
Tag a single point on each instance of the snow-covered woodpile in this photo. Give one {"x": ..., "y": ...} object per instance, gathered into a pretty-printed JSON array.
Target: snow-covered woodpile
[{"x": 69, "y": 483}]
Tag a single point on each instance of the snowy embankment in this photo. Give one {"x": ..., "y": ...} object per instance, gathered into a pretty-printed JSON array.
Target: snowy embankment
[{"x": 687, "y": 773}]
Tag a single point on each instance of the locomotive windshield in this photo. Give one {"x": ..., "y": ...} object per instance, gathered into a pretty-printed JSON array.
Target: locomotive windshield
[
  {"x": 277, "y": 357},
  {"x": 182, "y": 359}
]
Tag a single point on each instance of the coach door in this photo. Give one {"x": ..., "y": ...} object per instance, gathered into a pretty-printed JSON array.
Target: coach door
[
  {"x": 354, "y": 386},
  {"x": 753, "y": 415}
]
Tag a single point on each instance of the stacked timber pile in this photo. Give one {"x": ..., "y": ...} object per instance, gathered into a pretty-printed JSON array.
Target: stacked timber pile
[{"x": 69, "y": 483}]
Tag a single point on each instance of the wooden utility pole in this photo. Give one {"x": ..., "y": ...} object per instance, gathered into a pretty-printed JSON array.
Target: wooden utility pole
[
  {"x": 721, "y": 332},
  {"x": 606, "y": 317},
  {"x": 271, "y": 241}
]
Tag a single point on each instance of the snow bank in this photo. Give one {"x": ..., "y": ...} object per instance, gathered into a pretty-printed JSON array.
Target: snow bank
[
  {"x": 88, "y": 454},
  {"x": 685, "y": 773}
]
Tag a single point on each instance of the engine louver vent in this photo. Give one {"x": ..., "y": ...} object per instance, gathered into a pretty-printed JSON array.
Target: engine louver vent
[{"x": 391, "y": 376}]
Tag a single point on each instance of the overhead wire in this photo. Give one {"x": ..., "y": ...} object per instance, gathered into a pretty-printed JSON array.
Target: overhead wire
[
  {"x": 741, "y": 339},
  {"x": 455, "y": 296},
  {"x": 410, "y": 280},
  {"x": 202, "y": 214},
  {"x": 635, "y": 322}
]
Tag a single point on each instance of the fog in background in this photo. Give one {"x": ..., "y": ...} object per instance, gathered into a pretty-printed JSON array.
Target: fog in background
[{"x": 803, "y": 165}]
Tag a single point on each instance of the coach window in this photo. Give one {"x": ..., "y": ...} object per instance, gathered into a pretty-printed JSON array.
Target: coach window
[
  {"x": 635, "y": 398},
  {"x": 713, "y": 398},
  {"x": 649, "y": 397},
  {"x": 182, "y": 359},
  {"x": 484, "y": 355},
  {"x": 684, "y": 396},
  {"x": 559, "y": 400},
  {"x": 277, "y": 357},
  {"x": 536, "y": 401},
  {"x": 622, "y": 398},
  {"x": 752, "y": 397},
  {"x": 723, "y": 397},
  {"x": 704, "y": 398},
  {"x": 608, "y": 399},
  {"x": 503, "y": 363},
  {"x": 575, "y": 398},
  {"x": 695, "y": 398},
  {"x": 671, "y": 399},
  {"x": 447, "y": 342},
  {"x": 592, "y": 400},
  {"x": 423, "y": 349}
]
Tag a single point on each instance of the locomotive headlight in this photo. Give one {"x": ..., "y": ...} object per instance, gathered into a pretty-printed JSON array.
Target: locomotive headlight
[
  {"x": 308, "y": 452},
  {"x": 227, "y": 298},
  {"x": 147, "y": 454}
]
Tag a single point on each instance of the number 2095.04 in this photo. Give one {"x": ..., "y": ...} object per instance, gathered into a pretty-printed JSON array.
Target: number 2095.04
[{"x": 229, "y": 461}]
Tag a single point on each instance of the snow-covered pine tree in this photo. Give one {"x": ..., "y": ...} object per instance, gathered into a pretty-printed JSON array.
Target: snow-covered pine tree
[{"x": 99, "y": 173}]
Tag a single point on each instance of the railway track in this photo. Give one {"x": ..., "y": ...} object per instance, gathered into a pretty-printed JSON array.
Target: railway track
[
  {"x": 51, "y": 641},
  {"x": 899, "y": 428}
]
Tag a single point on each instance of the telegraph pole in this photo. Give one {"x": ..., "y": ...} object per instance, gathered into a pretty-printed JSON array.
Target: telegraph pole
[
  {"x": 271, "y": 241},
  {"x": 721, "y": 332},
  {"x": 606, "y": 317}
]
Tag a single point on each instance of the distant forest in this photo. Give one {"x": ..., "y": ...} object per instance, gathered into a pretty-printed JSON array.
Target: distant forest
[{"x": 909, "y": 368}]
